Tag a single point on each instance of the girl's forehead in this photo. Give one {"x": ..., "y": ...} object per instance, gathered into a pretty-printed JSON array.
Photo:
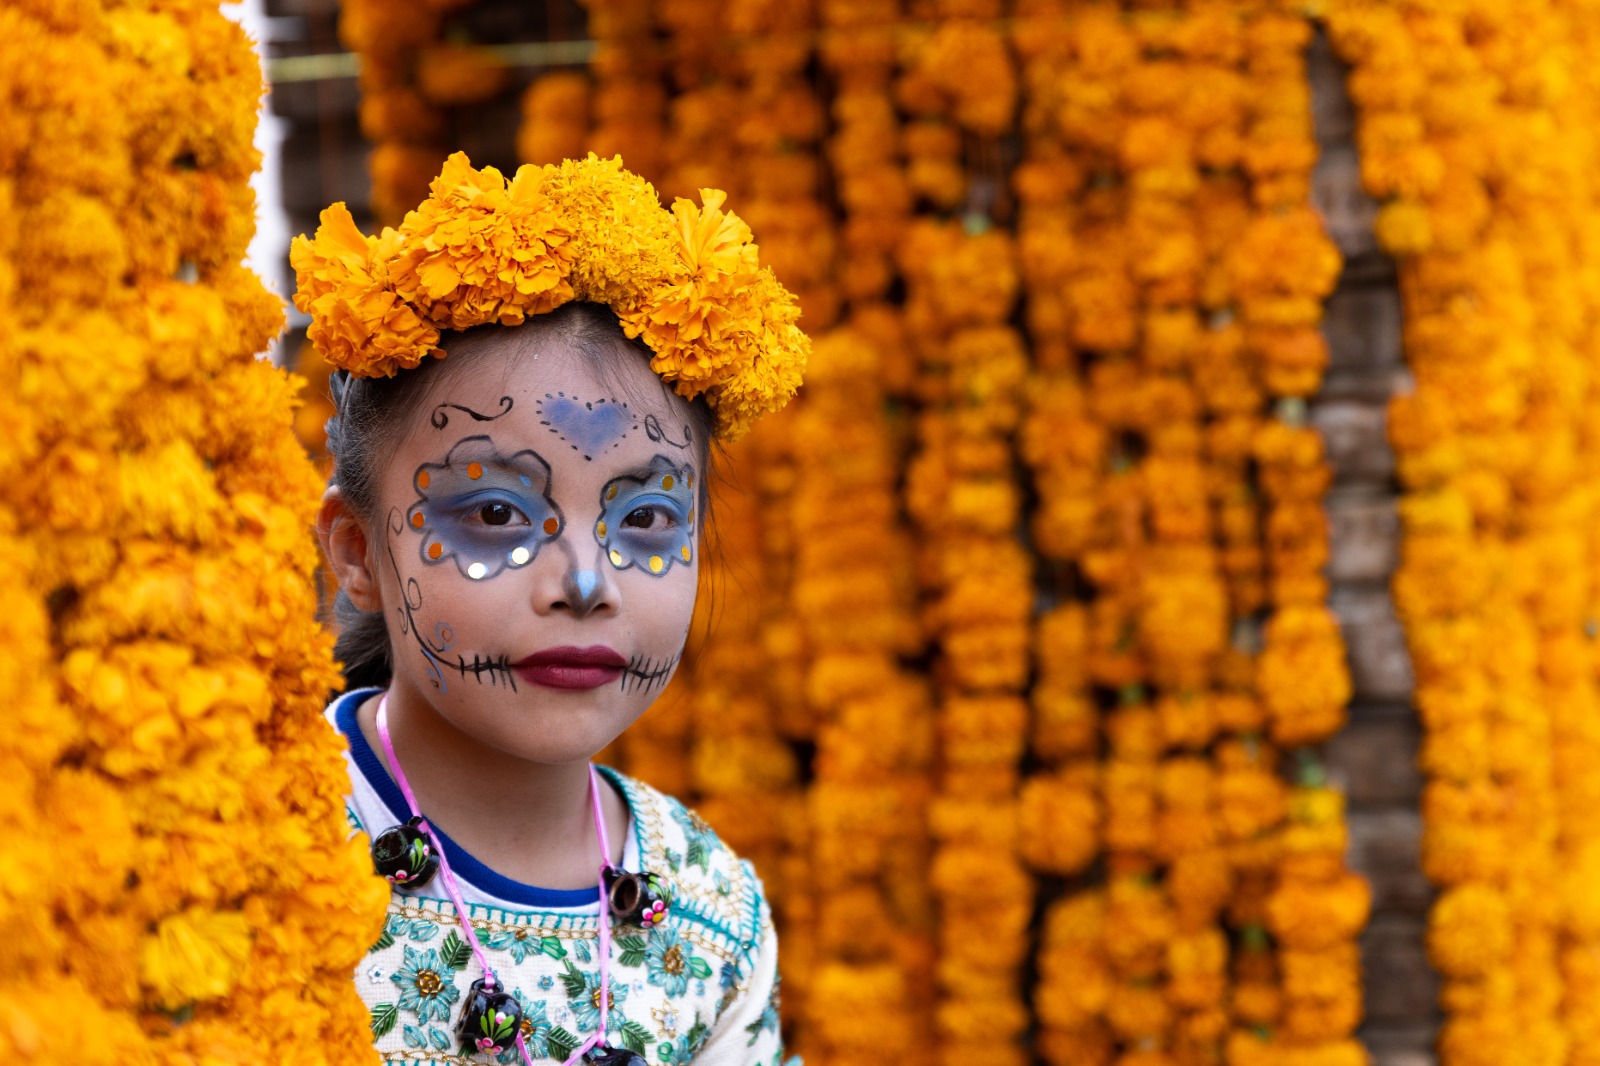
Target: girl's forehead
[{"x": 576, "y": 413}]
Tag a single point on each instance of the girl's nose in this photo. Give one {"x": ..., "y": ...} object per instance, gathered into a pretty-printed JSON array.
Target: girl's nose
[
  {"x": 574, "y": 584},
  {"x": 582, "y": 590}
]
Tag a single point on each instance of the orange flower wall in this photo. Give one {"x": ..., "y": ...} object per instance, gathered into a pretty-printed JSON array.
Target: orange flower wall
[
  {"x": 181, "y": 888},
  {"x": 1026, "y": 650}
]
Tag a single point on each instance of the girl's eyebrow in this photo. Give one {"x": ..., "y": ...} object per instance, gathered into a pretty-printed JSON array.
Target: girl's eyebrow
[{"x": 640, "y": 474}]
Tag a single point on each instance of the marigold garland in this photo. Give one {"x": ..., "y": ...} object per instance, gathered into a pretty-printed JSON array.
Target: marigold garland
[
  {"x": 1162, "y": 337},
  {"x": 1173, "y": 278},
  {"x": 184, "y": 888},
  {"x": 1476, "y": 135},
  {"x": 977, "y": 585}
]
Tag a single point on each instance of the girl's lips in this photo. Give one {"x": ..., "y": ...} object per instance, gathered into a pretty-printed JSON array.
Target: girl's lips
[{"x": 570, "y": 667}]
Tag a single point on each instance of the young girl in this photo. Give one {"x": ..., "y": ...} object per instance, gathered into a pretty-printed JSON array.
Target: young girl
[{"x": 532, "y": 375}]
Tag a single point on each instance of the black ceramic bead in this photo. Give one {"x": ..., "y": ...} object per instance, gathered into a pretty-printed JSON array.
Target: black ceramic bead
[
  {"x": 405, "y": 855},
  {"x": 490, "y": 1020},
  {"x": 601, "y": 1055},
  {"x": 636, "y": 899}
]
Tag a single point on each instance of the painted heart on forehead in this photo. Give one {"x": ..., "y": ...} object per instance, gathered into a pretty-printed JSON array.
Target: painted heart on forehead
[{"x": 589, "y": 426}]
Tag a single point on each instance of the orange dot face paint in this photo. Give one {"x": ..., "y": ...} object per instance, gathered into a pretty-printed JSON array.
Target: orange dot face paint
[
  {"x": 647, "y": 518},
  {"x": 484, "y": 510}
]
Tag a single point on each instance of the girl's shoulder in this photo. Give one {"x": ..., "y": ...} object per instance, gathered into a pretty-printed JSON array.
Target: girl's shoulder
[{"x": 713, "y": 889}]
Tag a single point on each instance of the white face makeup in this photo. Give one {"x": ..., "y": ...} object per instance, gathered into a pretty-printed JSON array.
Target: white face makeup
[{"x": 537, "y": 546}]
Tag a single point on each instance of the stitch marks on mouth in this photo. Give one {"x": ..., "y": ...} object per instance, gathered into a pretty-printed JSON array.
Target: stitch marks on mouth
[
  {"x": 496, "y": 670},
  {"x": 647, "y": 674}
]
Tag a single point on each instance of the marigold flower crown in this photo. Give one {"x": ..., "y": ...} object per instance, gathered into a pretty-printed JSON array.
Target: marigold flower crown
[{"x": 483, "y": 250}]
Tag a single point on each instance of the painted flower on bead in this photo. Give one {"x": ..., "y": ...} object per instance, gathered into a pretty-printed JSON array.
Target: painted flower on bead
[
  {"x": 672, "y": 963},
  {"x": 535, "y": 1030},
  {"x": 427, "y": 985}
]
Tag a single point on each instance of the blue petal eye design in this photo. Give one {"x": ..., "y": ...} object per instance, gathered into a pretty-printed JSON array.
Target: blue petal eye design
[
  {"x": 484, "y": 510},
  {"x": 648, "y": 520}
]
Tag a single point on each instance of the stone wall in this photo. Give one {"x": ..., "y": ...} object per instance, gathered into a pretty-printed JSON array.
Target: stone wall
[{"x": 1374, "y": 759}]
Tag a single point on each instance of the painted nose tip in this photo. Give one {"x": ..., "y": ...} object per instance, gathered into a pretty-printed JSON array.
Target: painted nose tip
[{"x": 582, "y": 589}]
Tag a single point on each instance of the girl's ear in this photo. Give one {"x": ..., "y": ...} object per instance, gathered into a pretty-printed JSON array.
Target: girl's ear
[{"x": 344, "y": 544}]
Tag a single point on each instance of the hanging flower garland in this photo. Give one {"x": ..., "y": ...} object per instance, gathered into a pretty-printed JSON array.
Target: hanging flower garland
[
  {"x": 185, "y": 889},
  {"x": 1476, "y": 134},
  {"x": 961, "y": 287},
  {"x": 853, "y": 594},
  {"x": 628, "y": 105},
  {"x": 555, "y": 119},
  {"x": 1174, "y": 339},
  {"x": 410, "y": 75}
]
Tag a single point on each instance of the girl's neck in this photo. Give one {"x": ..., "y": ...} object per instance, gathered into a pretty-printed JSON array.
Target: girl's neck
[{"x": 531, "y": 822}]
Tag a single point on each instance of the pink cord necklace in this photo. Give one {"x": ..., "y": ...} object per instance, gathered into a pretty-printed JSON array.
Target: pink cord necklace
[{"x": 492, "y": 1018}]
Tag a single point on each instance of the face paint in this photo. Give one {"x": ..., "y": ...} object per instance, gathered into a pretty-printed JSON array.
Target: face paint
[
  {"x": 581, "y": 586},
  {"x": 653, "y": 430},
  {"x": 647, "y": 520},
  {"x": 484, "y": 510},
  {"x": 436, "y": 650},
  {"x": 648, "y": 674},
  {"x": 441, "y": 414},
  {"x": 590, "y": 427}
]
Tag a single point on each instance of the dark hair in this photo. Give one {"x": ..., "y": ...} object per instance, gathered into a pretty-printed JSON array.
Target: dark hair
[{"x": 371, "y": 413}]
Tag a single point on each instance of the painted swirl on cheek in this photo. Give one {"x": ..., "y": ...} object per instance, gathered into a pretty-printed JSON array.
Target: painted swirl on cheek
[
  {"x": 647, "y": 519},
  {"x": 483, "y": 510}
]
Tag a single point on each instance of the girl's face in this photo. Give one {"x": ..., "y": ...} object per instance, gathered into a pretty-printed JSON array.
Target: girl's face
[{"x": 536, "y": 547}]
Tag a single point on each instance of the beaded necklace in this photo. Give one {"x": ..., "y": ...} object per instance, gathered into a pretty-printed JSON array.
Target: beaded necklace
[{"x": 491, "y": 1020}]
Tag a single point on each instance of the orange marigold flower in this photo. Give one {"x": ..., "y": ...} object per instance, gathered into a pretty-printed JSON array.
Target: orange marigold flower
[{"x": 357, "y": 321}]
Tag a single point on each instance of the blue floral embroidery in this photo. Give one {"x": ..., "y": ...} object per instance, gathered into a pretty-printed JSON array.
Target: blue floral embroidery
[
  {"x": 769, "y": 1016},
  {"x": 547, "y": 982},
  {"x": 535, "y": 1030},
  {"x": 702, "y": 839},
  {"x": 522, "y": 942},
  {"x": 427, "y": 985},
  {"x": 728, "y": 978},
  {"x": 671, "y": 962},
  {"x": 583, "y": 995},
  {"x": 682, "y": 1049}
]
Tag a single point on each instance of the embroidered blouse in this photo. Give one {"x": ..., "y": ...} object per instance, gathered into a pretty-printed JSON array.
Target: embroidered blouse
[{"x": 702, "y": 986}]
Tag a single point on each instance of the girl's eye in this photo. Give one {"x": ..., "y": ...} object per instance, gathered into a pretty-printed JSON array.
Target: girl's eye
[
  {"x": 497, "y": 514},
  {"x": 644, "y": 518}
]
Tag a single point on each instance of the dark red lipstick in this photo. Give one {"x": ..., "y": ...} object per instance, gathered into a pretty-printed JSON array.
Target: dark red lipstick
[{"x": 569, "y": 667}]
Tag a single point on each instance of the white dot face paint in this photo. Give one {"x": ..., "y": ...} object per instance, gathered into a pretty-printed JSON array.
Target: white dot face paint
[
  {"x": 484, "y": 509},
  {"x": 586, "y": 580},
  {"x": 514, "y": 595},
  {"x": 648, "y": 519}
]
